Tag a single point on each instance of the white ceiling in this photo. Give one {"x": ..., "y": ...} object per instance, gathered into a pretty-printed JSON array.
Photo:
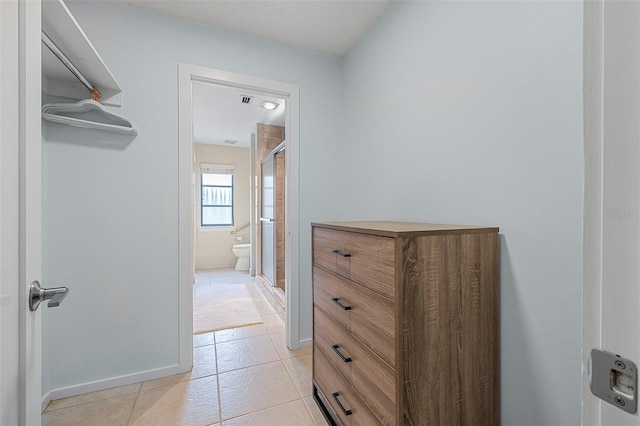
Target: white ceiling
[
  {"x": 219, "y": 114},
  {"x": 330, "y": 27},
  {"x": 326, "y": 26}
]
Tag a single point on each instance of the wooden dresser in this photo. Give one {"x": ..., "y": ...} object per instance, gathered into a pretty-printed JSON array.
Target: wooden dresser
[{"x": 406, "y": 323}]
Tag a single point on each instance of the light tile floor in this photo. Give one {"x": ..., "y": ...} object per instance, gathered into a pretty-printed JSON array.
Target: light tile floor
[{"x": 241, "y": 376}]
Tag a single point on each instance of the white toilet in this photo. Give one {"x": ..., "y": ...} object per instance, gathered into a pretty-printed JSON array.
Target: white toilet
[{"x": 242, "y": 252}]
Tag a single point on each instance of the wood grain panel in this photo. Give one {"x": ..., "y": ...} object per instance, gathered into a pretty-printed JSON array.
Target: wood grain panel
[
  {"x": 371, "y": 317},
  {"x": 323, "y": 403},
  {"x": 324, "y": 241},
  {"x": 330, "y": 381},
  {"x": 374, "y": 381},
  {"x": 327, "y": 333},
  {"x": 368, "y": 374},
  {"x": 372, "y": 320},
  {"x": 449, "y": 339},
  {"x": 426, "y": 337},
  {"x": 326, "y": 287},
  {"x": 478, "y": 340},
  {"x": 370, "y": 262}
]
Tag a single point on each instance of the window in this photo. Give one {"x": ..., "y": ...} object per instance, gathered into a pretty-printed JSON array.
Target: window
[{"x": 217, "y": 198}]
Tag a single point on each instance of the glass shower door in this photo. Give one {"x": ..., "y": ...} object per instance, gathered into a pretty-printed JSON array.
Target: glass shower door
[{"x": 267, "y": 220}]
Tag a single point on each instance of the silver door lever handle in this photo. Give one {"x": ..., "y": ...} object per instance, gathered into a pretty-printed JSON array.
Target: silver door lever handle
[{"x": 38, "y": 294}]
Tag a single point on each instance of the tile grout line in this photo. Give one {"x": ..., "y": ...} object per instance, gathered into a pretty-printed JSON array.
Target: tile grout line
[
  {"x": 134, "y": 404},
  {"x": 252, "y": 412},
  {"x": 250, "y": 366},
  {"x": 313, "y": 419},
  {"x": 268, "y": 408},
  {"x": 218, "y": 381},
  {"x": 292, "y": 380}
]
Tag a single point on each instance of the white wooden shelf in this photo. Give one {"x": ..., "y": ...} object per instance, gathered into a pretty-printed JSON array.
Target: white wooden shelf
[{"x": 61, "y": 27}]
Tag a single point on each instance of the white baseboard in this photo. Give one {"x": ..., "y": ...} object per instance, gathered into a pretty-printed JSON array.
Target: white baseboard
[
  {"x": 305, "y": 343},
  {"x": 113, "y": 382},
  {"x": 46, "y": 399}
]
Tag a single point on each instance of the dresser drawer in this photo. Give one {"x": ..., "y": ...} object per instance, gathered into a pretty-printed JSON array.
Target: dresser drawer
[
  {"x": 326, "y": 335},
  {"x": 342, "y": 399},
  {"x": 365, "y": 313},
  {"x": 330, "y": 294},
  {"x": 370, "y": 376},
  {"x": 366, "y": 259}
]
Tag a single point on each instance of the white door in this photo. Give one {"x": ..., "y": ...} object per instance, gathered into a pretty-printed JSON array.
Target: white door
[
  {"x": 611, "y": 295},
  {"x": 20, "y": 211}
]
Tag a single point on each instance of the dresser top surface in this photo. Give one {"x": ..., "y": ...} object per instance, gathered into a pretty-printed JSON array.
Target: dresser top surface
[{"x": 402, "y": 229}]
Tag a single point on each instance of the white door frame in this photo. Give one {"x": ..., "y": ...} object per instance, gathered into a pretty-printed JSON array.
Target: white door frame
[
  {"x": 9, "y": 214},
  {"x": 187, "y": 74},
  {"x": 20, "y": 208},
  {"x": 593, "y": 203},
  {"x": 30, "y": 206},
  {"x": 611, "y": 237}
]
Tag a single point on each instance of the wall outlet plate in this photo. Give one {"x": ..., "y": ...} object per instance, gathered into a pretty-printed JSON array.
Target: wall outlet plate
[{"x": 614, "y": 379}]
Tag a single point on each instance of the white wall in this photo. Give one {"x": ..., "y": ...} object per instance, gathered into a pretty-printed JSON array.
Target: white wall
[
  {"x": 213, "y": 246},
  {"x": 471, "y": 112},
  {"x": 112, "y": 228}
]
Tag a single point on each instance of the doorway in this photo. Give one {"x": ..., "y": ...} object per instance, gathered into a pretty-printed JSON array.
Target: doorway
[
  {"x": 188, "y": 75},
  {"x": 224, "y": 121}
]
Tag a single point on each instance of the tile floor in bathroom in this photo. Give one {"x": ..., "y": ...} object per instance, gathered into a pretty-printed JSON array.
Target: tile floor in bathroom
[{"x": 240, "y": 376}]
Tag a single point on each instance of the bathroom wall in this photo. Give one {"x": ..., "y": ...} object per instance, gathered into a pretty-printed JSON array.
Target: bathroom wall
[
  {"x": 213, "y": 246},
  {"x": 268, "y": 137},
  {"x": 471, "y": 112}
]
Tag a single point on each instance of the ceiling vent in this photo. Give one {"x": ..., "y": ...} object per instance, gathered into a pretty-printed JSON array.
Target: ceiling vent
[
  {"x": 246, "y": 99},
  {"x": 230, "y": 141}
]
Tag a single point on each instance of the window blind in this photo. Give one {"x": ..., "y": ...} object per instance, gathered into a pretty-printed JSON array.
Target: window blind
[{"x": 223, "y": 169}]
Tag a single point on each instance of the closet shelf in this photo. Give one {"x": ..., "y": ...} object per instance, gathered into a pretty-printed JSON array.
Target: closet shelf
[{"x": 63, "y": 29}]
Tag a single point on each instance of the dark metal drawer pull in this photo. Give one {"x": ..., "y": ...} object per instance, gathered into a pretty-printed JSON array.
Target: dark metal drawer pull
[
  {"x": 344, "y": 308},
  {"x": 344, "y": 358},
  {"x": 339, "y": 253},
  {"x": 335, "y": 396}
]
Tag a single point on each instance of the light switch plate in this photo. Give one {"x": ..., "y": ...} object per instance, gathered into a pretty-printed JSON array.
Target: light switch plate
[{"x": 614, "y": 379}]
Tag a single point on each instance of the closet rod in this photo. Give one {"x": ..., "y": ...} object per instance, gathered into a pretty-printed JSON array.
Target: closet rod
[{"x": 95, "y": 93}]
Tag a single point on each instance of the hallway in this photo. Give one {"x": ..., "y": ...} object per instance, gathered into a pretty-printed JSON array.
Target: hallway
[{"x": 240, "y": 376}]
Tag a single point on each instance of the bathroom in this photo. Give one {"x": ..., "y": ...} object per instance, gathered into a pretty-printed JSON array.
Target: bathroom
[
  {"x": 214, "y": 243},
  {"x": 236, "y": 135}
]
